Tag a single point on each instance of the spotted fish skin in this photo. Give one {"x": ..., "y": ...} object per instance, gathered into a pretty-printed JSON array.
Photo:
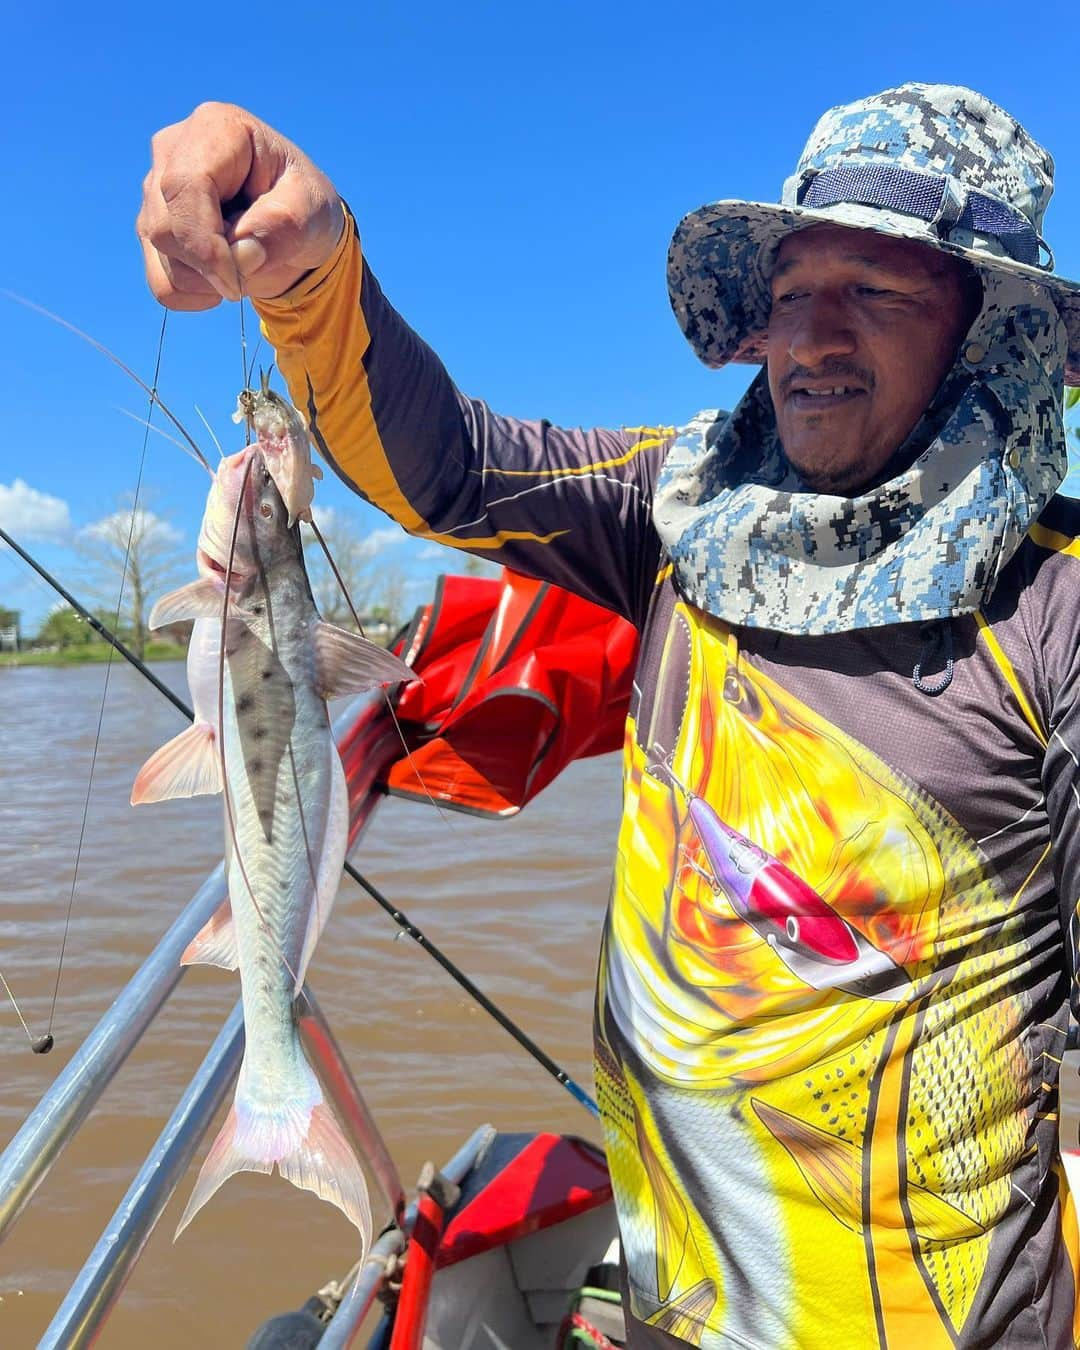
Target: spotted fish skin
[{"x": 286, "y": 816}]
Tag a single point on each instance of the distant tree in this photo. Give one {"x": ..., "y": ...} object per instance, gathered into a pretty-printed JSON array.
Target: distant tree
[
  {"x": 391, "y": 603},
  {"x": 64, "y": 628},
  {"x": 140, "y": 547},
  {"x": 375, "y": 586},
  {"x": 474, "y": 566}
]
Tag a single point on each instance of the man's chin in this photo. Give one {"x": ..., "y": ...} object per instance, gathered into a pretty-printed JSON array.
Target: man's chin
[{"x": 837, "y": 476}]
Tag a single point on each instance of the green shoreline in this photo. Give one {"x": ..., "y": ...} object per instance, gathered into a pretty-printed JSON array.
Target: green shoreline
[{"x": 90, "y": 654}]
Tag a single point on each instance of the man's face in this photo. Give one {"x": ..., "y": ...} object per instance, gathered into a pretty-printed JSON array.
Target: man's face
[{"x": 862, "y": 331}]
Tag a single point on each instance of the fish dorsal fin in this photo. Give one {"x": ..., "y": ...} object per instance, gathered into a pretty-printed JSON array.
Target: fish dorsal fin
[
  {"x": 346, "y": 663},
  {"x": 215, "y": 942},
  {"x": 201, "y": 599},
  {"x": 186, "y": 766}
]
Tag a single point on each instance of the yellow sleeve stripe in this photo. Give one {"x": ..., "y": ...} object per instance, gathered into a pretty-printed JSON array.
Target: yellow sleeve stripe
[
  {"x": 1006, "y": 667},
  {"x": 1054, "y": 541},
  {"x": 576, "y": 470},
  {"x": 320, "y": 335},
  {"x": 1027, "y": 880}
]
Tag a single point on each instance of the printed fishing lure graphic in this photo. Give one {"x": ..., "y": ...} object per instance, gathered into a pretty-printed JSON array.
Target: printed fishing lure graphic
[{"x": 806, "y": 934}]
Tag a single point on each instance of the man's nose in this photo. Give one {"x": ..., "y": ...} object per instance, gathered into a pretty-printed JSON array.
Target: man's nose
[{"x": 823, "y": 330}]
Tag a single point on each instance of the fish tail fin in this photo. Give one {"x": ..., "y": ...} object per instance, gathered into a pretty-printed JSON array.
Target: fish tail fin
[{"x": 305, "y": 1143}]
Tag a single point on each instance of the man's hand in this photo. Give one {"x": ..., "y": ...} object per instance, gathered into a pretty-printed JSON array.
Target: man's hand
[{"x": 231, "y": 207}]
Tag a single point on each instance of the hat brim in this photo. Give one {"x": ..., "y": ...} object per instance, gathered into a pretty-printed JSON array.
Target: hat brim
[{"x": 719, "y": 268}]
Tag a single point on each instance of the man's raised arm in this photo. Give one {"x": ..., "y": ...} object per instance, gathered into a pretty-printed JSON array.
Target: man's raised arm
[{"x": 230, "y": 206}]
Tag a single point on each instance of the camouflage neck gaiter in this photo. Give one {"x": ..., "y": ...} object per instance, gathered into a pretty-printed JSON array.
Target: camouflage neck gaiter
[{"x": 752, "y": 549}]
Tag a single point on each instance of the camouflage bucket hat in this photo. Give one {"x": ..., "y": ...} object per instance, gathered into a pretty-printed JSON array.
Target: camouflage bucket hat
[{"x": 933, "y": 163}]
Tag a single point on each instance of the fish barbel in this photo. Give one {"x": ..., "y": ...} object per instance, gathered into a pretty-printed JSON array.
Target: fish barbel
[
  {"x": 262, "y": 730},
  {"x": 283, "y": 439}
]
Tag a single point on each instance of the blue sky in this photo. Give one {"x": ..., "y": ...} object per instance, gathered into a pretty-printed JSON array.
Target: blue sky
[{"x": 516, "y": 171}]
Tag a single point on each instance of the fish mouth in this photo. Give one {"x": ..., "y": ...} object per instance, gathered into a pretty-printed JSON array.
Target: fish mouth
[{"x": 210, "y": 566}]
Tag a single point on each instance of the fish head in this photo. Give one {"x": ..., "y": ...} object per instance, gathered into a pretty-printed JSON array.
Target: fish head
[
  {"x": 275, "y": 533},
  {"x": 246, "y": 524},
  {"x": 282, "y": 436}
]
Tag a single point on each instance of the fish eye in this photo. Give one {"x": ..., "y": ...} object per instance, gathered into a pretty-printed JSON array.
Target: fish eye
[{"x": 267, "y": 511}]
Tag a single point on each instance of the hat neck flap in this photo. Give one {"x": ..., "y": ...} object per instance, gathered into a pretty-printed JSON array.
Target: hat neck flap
[{"x": 749, "y": 546}]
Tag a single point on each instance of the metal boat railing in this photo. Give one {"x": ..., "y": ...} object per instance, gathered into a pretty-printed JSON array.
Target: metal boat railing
[{"x": 65, "y": 1106}]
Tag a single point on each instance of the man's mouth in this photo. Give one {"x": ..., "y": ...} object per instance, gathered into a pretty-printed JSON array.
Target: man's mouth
[{"x": 818, "y": 397}]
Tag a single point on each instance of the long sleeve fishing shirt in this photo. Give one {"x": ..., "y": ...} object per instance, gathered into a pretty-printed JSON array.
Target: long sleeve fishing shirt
[{"x": 833, "y": 989}]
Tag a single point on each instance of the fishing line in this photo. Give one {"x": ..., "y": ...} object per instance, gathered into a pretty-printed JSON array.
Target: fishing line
[
  {"x": 96, "y": 624},
  {"x": 389, "y": 705},
  {"x": 158, "y": 431},
  {"x": 397, "y": 915},
  {"x": 221, "y": 720},
  {"x": 35, "y": 1041},
  {"x": 245, "y": 374},
  {"x": 210, "y": 432},
  {"x": 152, "y": 391}
]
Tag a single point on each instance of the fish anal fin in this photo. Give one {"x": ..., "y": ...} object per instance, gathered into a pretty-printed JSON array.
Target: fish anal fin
[
  {"x": 215, "y": 942},
  {"x": 187, "y": 766},
  {"x": 201, "y": 599},
  {"x": 346, "y": 663}
]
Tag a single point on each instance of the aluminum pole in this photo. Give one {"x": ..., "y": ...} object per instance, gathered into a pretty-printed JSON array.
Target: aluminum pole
[
  {"x": 330, "y": 1064},
  {"x": 42, "y": 1137},
  {"x": 101, "y": 1280},
  {"x": 354, "y": 1307}
]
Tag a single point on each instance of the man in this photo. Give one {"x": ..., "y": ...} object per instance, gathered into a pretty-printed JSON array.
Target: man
[{"x": 832, "y": 993}]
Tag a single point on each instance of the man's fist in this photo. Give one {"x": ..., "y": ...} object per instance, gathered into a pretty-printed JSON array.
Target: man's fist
[{"x": 229, "y": 208}]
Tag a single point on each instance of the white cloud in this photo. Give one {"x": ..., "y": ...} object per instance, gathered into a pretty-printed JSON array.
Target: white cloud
[
  {"x": 150, "y": 527},
  {"x": 29, "y": 514},
  {"x": 386, "y": 537},
  {"x": 335, "y": 524},
  {"x": 326, "y": 518}
]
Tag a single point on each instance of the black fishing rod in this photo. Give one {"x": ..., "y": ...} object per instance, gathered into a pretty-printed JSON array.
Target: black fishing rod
[
  {"x": 399, "y": 917},
  {"x": 98, "y": 627}
]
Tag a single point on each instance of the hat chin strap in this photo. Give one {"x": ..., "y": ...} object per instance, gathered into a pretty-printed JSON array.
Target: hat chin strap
[{"x": 935, "y": 198}]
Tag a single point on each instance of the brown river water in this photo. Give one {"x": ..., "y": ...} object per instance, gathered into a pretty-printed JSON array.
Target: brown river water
[{"x": 518, "y": 904}]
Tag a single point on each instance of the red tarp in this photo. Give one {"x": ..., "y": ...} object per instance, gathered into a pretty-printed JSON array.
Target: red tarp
[{"x": 519, "y": 678}]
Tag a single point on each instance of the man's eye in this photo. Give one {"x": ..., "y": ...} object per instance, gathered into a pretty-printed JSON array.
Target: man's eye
[
  {"x": 788, "y": 297},
  {"x": 872, "y": 291}
]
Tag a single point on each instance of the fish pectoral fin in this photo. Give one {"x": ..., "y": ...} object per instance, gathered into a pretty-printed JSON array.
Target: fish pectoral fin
[
  {"x": 187, "y": 766},
  {"x": 346, "y": 663},
  {"x": 215, "y": 942},
  {"x": 200, "y": 599}
]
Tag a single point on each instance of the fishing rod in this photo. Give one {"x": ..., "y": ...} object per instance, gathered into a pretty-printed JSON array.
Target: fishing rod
[
  {"x": 98, "y": 627},
  {"x": 400, "y": 918}
]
